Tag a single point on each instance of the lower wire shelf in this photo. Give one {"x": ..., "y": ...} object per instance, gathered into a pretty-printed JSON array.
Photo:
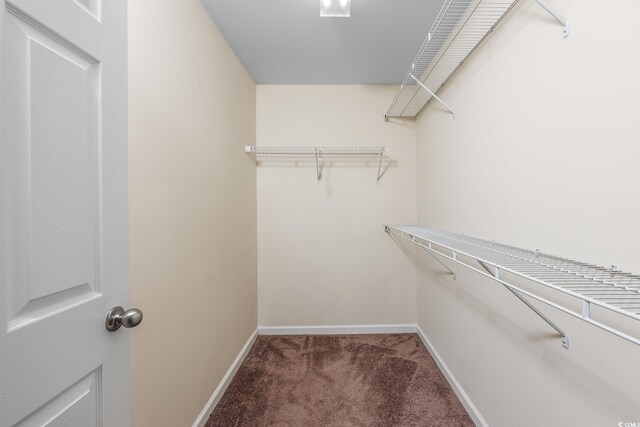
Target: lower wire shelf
[{"x": 605, "y": 288}]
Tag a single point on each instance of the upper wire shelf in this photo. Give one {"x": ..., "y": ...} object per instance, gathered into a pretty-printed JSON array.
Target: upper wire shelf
[
  {"x": 459, "y": 27},
  {"x": 319, "y": 154},
  {"x": 606, "y": 288}
]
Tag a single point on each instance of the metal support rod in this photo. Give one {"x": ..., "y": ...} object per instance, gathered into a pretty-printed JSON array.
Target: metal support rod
[
  {"x": 496, "y": 274},
  {"x": 427, "y": 249},
  {"x": 380, "y": 166},
  {"x": 586, "y": 309},
  {"x": 318, "y": 169},
  {"x": 564, "y": 22},
  {"x": 441, "y": 263},
  {"x": 434, "y": 95}
]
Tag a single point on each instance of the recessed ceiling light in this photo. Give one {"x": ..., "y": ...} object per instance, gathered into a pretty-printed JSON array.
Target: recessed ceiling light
[{"x": 335, "y": 8}]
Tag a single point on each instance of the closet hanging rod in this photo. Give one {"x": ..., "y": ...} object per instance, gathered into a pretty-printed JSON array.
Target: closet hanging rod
[{"x": 623, "y": 289}]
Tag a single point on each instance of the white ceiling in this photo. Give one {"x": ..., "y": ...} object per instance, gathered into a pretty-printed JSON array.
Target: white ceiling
[{"x": 287, "y": 42}]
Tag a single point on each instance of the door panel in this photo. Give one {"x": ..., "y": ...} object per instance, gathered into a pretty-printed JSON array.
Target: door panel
[
  {"x": 64, "y": 220},
  {"x": 78, "y": 402},
  {"x": 56, "y": 137}
]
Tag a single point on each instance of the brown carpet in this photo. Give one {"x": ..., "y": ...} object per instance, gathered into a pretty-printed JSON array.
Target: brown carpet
[{"x": 353, "y": 380}]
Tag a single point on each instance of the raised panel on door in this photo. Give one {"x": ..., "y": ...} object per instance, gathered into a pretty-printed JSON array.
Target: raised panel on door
[
  {"x": 54, "y": 140},
  {"x": 81, "y": 401},
  {"x": 64, "y": 160}
]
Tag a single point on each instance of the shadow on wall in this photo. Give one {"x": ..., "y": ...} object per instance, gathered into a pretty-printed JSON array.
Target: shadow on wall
[
  {"x": 405, "y": 122},
  {"x": 336, "y": 163},
  {"x": 326, "y": 165}
]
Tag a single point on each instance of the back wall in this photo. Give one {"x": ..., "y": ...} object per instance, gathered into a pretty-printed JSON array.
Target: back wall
[{"x": 322, "y": 252}]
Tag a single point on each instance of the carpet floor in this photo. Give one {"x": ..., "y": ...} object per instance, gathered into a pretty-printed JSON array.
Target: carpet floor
[{"x": 347, "y": 380}]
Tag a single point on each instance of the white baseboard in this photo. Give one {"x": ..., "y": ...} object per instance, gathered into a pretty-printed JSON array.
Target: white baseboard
[
  {"x": 226, "y": 380},
  {"x": 453, "y": 382},
  {"x": 336, "y": 330}
]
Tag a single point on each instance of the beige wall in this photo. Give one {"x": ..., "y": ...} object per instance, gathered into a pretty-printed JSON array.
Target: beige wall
[
  {"x": 543, "y": 154},
  {"x": 323, "y": 258},
  {"x": 193, "y": 212}
]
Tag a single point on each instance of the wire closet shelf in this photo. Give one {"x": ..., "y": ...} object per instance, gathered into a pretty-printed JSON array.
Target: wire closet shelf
[
  {"x": 319, "y": 154},
  {"x": 310, "y": 152},
  {"x": 605, "y": 288},
  {"x": 459, "y": 27}
]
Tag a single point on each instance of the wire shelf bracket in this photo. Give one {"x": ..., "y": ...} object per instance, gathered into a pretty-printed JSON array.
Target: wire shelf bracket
[
  {"x": 608, "y": 289},
  {"x": 430, "y": 252},
  {"x": 566, "y": 30},
  {"x": 319, "y": 154},
  {"x": 495, "y": 272},
  {"x": 434, "y": 95}
]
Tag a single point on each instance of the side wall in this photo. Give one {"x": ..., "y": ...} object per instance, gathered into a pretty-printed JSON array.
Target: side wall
[
  {"x": 544, "y": 153},
  {"x": 323, "y": 258},
  {"x": 193, "y": 211}
]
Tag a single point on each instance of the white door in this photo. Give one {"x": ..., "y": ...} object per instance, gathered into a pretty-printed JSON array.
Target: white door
[{"x": 63, "y": 213}]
